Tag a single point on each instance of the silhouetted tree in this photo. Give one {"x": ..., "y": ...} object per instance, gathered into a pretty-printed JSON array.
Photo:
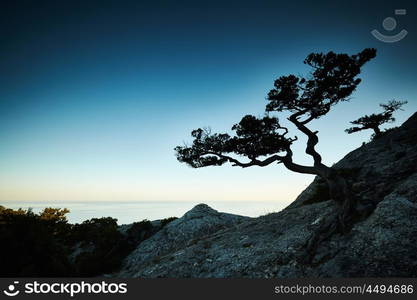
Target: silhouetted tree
[
  {"x": 375, "y": 120},
  {"x": 264, "y": 141}
]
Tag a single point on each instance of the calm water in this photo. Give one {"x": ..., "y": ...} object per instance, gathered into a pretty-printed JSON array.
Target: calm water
[{"x": 128, "y": 212}]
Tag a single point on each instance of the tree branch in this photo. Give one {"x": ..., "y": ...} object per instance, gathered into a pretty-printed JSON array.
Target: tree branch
[
  {"x": 286, "y": 160},
  {"x": 312, "y": 136},
  {"x": 253, "y": 162},
  {"x": 290, "y": 165}
]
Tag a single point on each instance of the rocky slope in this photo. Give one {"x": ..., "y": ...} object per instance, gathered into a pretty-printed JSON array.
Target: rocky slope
[
  {"x": 198, "y": 223},
  {"x": 205, "y": 243}
]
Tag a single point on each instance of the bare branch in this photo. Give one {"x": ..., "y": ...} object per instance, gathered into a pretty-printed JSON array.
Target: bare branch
[{"x": 253, "y": 162}]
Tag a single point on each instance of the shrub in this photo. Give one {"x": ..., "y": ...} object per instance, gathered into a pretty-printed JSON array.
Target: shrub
[
  {"x": 167, "y": 221},
  {"x": 31, "y": 243}
]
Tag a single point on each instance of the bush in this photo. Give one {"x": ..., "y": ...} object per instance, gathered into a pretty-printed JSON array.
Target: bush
[
  {"x": 140, "y": 231},
  {"x": 167, "y": 220},
  {"x": 46, "y": 245},
  {"x": 103, "y": 247},
  {"x": 31, "y": 243}
]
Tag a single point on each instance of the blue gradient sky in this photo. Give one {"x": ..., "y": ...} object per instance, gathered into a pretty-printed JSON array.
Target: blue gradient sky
[{"x": 94, "y": 96}]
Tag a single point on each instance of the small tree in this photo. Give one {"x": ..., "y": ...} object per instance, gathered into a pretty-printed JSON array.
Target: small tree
[
  {"x": 264, "y": 141},
  {"x": 375, "y": 120}
]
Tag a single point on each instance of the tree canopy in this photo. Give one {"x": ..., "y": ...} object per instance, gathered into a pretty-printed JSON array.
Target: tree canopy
[{"x": 263, "y": 140}]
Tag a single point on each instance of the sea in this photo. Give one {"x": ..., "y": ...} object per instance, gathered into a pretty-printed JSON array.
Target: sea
[{"x": 127, "y": 212}]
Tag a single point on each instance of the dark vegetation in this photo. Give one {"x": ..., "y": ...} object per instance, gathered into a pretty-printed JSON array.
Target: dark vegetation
[
  {"x": 104, "y": 246},
  {"x": 46, "y": 245},
  {"x": 374, "y": 121},
  {"x": 264, "y": 140}
]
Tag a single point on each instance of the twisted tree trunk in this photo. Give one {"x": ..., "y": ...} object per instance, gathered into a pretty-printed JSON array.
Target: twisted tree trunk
[{"x": 339, "y": 191}]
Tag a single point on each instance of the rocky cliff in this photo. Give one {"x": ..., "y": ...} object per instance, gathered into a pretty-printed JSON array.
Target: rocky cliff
[
  {"x": 383, "y": 173},
  {"x": 193, "y": 227}
]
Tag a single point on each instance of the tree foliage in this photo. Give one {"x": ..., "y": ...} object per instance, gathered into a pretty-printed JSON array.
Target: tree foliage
[
  {"x": 31, "y": 244},
  {"x": 374, "y": 121},
  {"x": 254, "y": 137},
  {"x": 333, "y": 79},
  {"x": 41, "y": 244}
]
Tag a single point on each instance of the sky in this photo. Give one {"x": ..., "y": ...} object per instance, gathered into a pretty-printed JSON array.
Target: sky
[{"x": 94, "y": 95}]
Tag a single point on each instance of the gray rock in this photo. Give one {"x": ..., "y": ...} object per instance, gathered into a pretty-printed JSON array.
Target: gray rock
[{"x": 193, "y": 227}]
